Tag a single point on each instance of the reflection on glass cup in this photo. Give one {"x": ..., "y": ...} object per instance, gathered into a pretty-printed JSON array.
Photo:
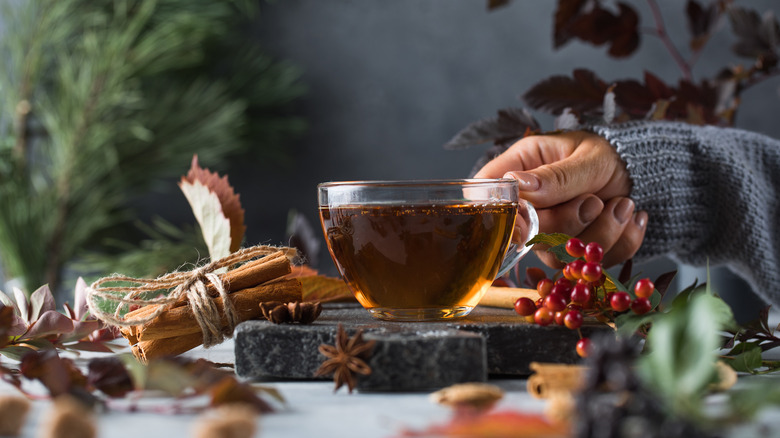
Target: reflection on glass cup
[{"x": 423, "y": 250}]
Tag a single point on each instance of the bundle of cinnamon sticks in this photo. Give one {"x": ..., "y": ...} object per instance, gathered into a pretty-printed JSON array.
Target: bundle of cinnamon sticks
[{"x": 176, "y": 329}]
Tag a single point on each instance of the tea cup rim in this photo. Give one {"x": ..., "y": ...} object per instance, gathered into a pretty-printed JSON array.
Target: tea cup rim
[{"x": 418, "y": 182}]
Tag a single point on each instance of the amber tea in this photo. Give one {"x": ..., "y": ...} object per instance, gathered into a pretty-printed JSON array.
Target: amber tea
[{"x": 432, "y": 261}]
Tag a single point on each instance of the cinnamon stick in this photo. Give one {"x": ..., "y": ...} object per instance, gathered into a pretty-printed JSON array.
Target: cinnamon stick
[
  {"x": 251, "y": 274},
  {"x": 180, "y": 321},
  {"x": 148, "y": 350},
  {"x": 254, "y": 273},
  {"x": 505, "y": 297}
]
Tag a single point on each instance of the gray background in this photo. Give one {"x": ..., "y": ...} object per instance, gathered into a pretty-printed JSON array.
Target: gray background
[{"x": 391, "y": 81}]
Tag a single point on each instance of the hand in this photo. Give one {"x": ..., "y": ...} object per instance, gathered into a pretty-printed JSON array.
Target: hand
[{"x": 579, "y": 186}]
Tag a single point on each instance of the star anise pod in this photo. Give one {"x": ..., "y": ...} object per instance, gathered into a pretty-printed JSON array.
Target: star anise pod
[
  {"x": 345, "y": 359},
  {"x": 303, "y": 313}
]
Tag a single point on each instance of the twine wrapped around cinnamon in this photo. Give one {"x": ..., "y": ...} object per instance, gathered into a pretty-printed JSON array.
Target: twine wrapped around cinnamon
[{"x": 202, "y": 307}]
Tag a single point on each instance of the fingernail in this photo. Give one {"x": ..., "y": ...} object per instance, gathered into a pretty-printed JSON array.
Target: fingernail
[
  {"x": 640, "y": 219},
  {"x": 623, "y": 210},
  {"x": 590, "y": 209},
  {"x": 528, "y": 182}
]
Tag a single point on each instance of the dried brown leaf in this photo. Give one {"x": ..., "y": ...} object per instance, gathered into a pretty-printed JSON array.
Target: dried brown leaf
[{"x": 325, "y": 289}]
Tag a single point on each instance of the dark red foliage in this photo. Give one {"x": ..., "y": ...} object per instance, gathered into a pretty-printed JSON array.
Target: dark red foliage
[
  {"x": 590, "y": 22},
  {"x": 583, "y": 92},
  {"x": 109, "y": 376},
  {"x": 701, "y": 19}
]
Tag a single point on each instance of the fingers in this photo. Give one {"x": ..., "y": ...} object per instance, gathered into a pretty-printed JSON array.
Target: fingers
[
  {"x": 552, "y": 170},
  {"x": 570, "y": 218},
  {"x": 616, "y": 227},
  {"x": 618, "y": 230}
]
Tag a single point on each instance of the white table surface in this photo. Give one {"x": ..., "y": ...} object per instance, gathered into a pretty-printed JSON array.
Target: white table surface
[{"x": 312, "y": 409}]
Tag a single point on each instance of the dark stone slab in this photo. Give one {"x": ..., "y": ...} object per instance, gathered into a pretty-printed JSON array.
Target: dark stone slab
[
  {"x": 408, "y": 356},
  {"x": 414, "y": 361}
]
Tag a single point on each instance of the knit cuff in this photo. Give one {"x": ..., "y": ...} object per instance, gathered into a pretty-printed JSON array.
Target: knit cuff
[{"x": 661, "y": 159}]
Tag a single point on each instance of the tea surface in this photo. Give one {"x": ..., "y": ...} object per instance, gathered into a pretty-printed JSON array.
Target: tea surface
[{"x": 419, "y": 256}]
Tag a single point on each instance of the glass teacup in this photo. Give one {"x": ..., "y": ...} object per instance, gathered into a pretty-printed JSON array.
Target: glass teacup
[{"x": 424, "y": 250}]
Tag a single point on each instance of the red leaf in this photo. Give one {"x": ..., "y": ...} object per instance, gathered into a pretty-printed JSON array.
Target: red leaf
[
  {"x": 565, "y": 14},
  {"x": 110, "y": 376},
  {"x": 599, "y": 26},
  {"x": 657, "y": 87},
  {"x": 494, "y": 4},
  {"x": 50, "y": 323},
  {"x": 663, "y": 281},
  {"x": 583, "y": 93},
  {"x": 230, "y": 201},
  {"x": 700, "y": 22},
  {"x": 757, "y": 35},
  {"x": 6, "y": 323},
  {"x": 625, "y": 40},
  {"x": 47, "y": 367},
  {"x": 511, "y": 124}
]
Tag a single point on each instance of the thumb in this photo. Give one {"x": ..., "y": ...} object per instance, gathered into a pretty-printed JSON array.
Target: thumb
[{"x": 558, "y": 182}]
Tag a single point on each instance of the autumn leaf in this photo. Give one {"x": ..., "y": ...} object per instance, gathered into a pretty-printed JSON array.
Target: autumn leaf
[
  {"x": 323, "y": 289},
  {"x": 596, "y": 25},
  {"x": 208, "y": 212},
  {"x": 504, "y": 424},
  {"x": 229, "y": 201},
  {"x": 582, "y": 92},
  {"x": 494, "y": 4},
  {"x": 509, "y": 125},
  {"x": 757, "y": 35},
  {"x": 700, "y": 22}
]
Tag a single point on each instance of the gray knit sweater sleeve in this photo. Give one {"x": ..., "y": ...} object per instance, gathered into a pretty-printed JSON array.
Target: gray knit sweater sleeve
[{"x": 711, "y": 195}]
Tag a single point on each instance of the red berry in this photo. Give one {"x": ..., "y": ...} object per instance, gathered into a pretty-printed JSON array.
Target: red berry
[
  {"x": 583, "y": 347},
  {"x": 576, "y": 268},
  {"x": 594, "y": 252},
  {"x": 640, "y": 306},
  {"x": 525, "y": 306},
  {"x": 555, "y": 302},
  {"x": 575, "y": 247},
  {"x": 644, "y": 288},
  {"x": 559, "y": 316},
  {"x": 543, "y": 316},
  {"x": 580, "y": 294},
  {"x": 620, "y": 301},
  {"x": 573, "y": 319},
  {"x": 568, "y": 273},
  {"x": 564, "y": 282},
  {"x": 591, "y": 271},
  {"x": 544, "y": 287}
]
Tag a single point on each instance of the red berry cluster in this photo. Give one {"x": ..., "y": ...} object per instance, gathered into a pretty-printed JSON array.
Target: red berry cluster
[{"x": 580, "y": 292}]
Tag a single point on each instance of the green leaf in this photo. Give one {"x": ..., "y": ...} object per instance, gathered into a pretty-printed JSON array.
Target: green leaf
[
  {"x": 208, "y": 211},
  {"x": 551, "y": 239},
  {"x": 15, "y": 352},
  {"x": 745, "y": 357},
  {"x": 683, "y": 346},
  {"x": 628, "y": 323}
]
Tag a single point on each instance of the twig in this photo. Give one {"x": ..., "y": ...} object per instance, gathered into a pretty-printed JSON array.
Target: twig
[{"x": 660, "y": 32}]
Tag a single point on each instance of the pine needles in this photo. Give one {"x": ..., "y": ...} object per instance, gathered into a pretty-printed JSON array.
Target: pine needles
[{"x": 102, "y": 98}]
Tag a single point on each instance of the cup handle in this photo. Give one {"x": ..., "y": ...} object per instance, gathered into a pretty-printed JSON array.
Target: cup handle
[{"x": 516, "y": 252}]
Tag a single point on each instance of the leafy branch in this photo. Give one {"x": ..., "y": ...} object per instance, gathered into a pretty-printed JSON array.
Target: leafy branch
[{"x": 590, "y": 99}]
